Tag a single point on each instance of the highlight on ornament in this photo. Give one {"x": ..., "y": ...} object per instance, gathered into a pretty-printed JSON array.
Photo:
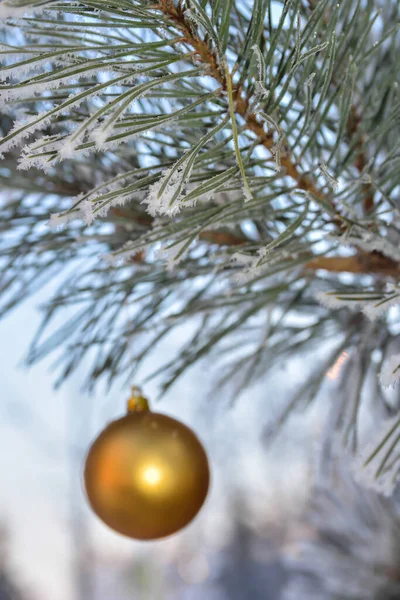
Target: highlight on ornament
[{"x": 146, "y": 475}]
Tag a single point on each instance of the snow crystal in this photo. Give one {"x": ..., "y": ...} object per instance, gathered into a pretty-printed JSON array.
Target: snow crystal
[
  {"x": 242, "y": 259},
  {"x": 255, "y": 266}
]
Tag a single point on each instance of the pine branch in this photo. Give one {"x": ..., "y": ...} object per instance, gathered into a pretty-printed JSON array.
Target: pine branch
[
  {"x": 360, "y": 264},
  {"x": 139, "y": 140},
  {"x": 242, "y": 102}
]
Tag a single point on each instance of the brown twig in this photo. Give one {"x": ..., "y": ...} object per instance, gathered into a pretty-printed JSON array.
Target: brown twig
[{"x": 362, "y": 263}]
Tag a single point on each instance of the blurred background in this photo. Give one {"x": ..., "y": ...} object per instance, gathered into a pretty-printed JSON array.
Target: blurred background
[{"x": 53, "y": 548}]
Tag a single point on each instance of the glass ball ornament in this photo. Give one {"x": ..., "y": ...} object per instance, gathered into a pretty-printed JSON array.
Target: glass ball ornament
[{"x": 146, "y": 475}]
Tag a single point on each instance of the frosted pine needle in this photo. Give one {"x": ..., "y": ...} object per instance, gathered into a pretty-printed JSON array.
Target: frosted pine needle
[
  {"x": 84, "y": 211},
  {"x": 332, "y": 182},
  {"x": 332, "y": 300},
  {"x": 368, "y": 241},
  {"x": 160, "y": 199}
]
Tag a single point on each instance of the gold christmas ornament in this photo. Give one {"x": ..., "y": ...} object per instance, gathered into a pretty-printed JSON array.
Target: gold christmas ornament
[{"x": 146, "y": 475}]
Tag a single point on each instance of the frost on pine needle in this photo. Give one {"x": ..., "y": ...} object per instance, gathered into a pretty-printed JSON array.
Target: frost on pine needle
[
  {"x": 372, "y": 304},
  {"x": 99, "y": 137},
  {"x": 100, "y": 208},
  {"x": 69, "y": 146},
  {"x": 333, "y": 300},
  {"x": 255, "y": 266},
  {"x": 332, "y": 182},
  {"x": 261, "y": 92},
  {"x": 276, "y": 151},
  {"x": 83, "y": 211},
  {"x": 29, "y": 90},
  {"x": 368, "y": 241},
  {"x": 32, "y": 155},
  {"x": 30, "y": 68},
  {"x": 67, "y": 149},
  {"x": 390, "y": 373},
  {"x": 378, "y": 465},
  {"x": 165, "y": 197},
  {"x": 24, "y": 129},
  {"x": 33, "y": 123},
  {"x": 247, "y": 194}
]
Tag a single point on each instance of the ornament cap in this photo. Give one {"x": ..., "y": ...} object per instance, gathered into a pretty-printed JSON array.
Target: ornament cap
[{"x": 137, "y": 402}]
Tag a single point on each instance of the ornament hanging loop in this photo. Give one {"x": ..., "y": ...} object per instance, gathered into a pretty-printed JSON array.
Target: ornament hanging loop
[{"x": 137, "y": 402}]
